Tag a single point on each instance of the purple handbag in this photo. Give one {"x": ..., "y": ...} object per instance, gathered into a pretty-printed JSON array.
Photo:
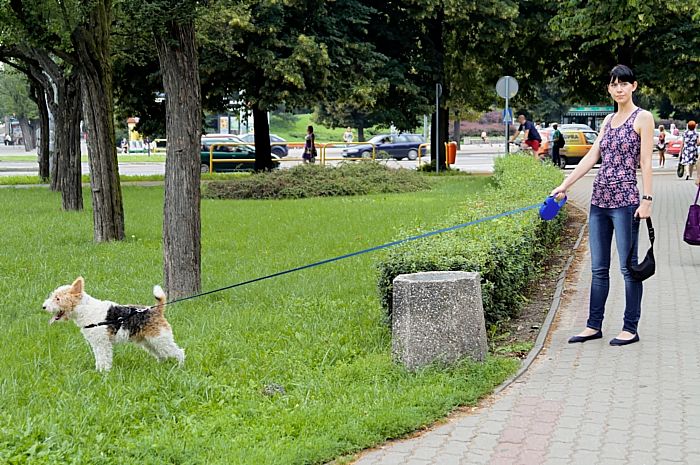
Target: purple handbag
[{"x": 691, "y": 235}]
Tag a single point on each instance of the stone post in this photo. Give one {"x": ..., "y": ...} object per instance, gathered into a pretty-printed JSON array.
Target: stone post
[{"x": 438, "y": 316}]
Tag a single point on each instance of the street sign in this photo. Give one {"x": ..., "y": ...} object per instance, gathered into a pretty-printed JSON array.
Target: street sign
[
  {"x": 507, "y": 87},
  {"x": 508, "y": 115}
]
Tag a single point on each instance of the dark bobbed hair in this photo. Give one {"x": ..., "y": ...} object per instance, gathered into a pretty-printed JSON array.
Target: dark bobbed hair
[
  {"x": 622, "y": 73},
  {"x": 309, "y": 129}
]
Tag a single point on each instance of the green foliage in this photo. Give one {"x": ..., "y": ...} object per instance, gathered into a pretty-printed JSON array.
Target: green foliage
[
  {"x": 14, "y": 95},
  {"x": 507, "y": 251},
  {"x": 318, "y": 334},
  {"x": 364, "y": 177}
]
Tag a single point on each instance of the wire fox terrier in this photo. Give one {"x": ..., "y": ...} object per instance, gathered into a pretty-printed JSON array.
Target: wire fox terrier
[{"x": 104, "y": 323}]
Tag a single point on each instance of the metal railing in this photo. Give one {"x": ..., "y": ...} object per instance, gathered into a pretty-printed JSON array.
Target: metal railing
[{"x": 420, "y": 147}]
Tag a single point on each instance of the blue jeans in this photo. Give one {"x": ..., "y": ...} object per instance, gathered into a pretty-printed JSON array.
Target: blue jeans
[{"x": 602, "y": 223}]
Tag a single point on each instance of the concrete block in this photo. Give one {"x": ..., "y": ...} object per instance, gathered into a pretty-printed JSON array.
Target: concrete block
[{"x": 438, "y": 316}]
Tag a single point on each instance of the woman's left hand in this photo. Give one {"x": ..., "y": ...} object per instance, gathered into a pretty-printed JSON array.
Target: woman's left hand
[{"x": 644, "y": 210}]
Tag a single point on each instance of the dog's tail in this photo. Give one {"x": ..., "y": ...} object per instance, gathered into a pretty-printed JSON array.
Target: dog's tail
[{"x": 160, "y": 296}]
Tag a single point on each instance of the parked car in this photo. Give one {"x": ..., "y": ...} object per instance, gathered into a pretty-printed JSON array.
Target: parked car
[
  {"x": 228, "y": 152},
  {"x": 398, "y": 146},
  {"x": 279, "y": 150},
  {"x": 673, "y": 148}
]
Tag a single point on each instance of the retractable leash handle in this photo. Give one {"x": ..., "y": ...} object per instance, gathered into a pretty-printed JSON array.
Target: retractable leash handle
[{"x": 550, "y": 207}]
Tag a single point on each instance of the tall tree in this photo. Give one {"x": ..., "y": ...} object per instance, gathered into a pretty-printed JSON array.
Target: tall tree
[
  {"x": 268, "y": 53},
  {"x": 176, "y": 44},
  {"x": 77, "y": 32}
]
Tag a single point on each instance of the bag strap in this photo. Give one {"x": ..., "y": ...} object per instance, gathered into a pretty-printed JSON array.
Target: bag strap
[
  {"x": 650, "y": 228},
  {"x": 697, "y": 195}
]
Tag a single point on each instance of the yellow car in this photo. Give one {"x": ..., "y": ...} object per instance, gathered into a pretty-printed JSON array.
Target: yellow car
[{"x": 577, "y": 144}]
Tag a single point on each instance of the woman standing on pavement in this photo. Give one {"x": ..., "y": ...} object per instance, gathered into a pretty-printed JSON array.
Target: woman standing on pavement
[
  {"x": 689, "y": 149},
  {"x": 661, "y": 146},
  {"x": 625, "y": 141},
  {"x": 309, "y": 155}
]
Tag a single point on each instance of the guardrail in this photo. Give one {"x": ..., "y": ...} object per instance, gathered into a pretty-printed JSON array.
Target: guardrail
[{"x": 420, "y": 147}]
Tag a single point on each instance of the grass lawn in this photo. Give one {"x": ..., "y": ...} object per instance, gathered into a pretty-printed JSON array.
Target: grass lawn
[
  {"x": 319, "y": 334},
  {"x": 296, "y": 131}
]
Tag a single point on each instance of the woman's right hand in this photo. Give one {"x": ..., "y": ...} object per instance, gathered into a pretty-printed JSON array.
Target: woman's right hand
[{"x": 559, "y": 192}]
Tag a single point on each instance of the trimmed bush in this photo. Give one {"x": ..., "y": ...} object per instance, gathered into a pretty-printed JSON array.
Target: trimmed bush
[
  {"x": 508, "y": 252},
  {"x": 360, "y": 178}
]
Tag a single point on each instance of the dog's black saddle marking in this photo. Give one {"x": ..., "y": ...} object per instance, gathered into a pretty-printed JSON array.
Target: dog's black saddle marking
[{"x": 129, "y": 317}]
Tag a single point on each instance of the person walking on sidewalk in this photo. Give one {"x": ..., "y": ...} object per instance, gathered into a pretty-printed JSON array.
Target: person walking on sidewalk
[
  {"x": 625, "y": 141},
  {"x": 557, "y": 137},
  {"x": 689, "y": 149}
]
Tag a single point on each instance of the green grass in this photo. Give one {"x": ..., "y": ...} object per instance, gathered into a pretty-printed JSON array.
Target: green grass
[
  {"x": 318, "y": 333},
  {"x": 29, "y": 180},
  {"x": 296, "y": 131}
]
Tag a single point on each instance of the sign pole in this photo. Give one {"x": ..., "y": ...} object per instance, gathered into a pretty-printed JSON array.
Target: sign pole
[
  {"x": 438, "y": 91},
  {"x": 505, "y": 117}
]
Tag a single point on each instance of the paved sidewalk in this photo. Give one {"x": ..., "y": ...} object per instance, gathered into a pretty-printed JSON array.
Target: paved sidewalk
[{"x": 592, "y": 403}]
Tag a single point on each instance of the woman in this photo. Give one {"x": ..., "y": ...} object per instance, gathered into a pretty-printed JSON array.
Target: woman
[
  {"x": 626, "y": 140},
  {"x": 689, "y": 149},
  {"x": 661, "y": 146},
  {"x": 309, "y": 155}
]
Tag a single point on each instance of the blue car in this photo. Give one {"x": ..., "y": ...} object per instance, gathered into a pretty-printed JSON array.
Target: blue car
[
  {"x": 398, "y": 146},
  {"x": 280, "y": 150}
]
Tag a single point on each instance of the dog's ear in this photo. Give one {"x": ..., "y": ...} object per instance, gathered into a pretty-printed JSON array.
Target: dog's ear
[{"x": 77, "y": 286}]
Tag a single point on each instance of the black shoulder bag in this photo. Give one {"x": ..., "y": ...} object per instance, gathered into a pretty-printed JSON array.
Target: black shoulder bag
[{"x": 647, "y": 267}]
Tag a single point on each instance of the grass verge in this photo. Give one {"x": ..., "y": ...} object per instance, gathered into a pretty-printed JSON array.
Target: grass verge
[{"x": 318, "y": 334}]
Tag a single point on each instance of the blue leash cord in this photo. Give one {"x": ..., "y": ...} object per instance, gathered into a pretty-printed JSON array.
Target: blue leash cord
[
  {"x": 335, "y": 259},
  {"x": 360, "y": 252}
]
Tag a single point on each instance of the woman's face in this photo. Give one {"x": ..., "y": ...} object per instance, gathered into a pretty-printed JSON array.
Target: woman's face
[{"x": 621, "y": 92}]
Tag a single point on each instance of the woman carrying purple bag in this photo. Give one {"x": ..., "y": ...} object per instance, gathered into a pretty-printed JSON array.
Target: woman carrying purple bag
[{"x": 625, "y": 141}]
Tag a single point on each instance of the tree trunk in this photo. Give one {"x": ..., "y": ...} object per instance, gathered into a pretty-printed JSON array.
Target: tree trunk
[
  {"x": 69, "y": 169},
  {"x": 92, "y": 45},
  {"x": 442, "y": 134},
  {"x": 28, "y": 133},
  {"x": 44, "y": 132},
  {"x": 360, "y": 133},
  {"x": 177, "y": 53},
  {"x": 457, "y": 129},
  {"x": 263, "y": 155}
]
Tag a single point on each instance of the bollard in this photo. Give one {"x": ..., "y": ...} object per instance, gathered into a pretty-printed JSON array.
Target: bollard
[{"x": 438, "y": 316}]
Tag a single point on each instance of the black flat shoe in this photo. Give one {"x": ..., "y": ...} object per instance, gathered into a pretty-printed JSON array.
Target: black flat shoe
[
  {"x": 576, "y": 339},
  {"x": 624, "y": 342}
]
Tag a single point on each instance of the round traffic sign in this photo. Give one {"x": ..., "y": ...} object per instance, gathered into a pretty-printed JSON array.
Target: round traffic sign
[{"x": 507, "y": 87}]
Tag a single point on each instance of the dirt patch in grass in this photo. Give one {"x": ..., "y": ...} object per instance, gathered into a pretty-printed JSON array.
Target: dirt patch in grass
[{"x": 517, "y": 336}]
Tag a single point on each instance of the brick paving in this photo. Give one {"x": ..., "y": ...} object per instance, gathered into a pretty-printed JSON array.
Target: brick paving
[{"x": 592, "y": 403}]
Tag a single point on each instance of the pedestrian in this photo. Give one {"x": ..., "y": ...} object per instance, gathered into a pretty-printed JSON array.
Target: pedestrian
[
  {"x": 661, "y": 146},
  {"x": 483, "y": 137},
  {"x": 531, "y": 138},
  {"x": 124, "y": 145},
  {"x": 8, "y": 139},
  {"x": 147, "y": 146},
  {"x": 309, "y": 155},
  {"x": 347, "y": 135},
  {"x": 626, "y": 140},
  {"x": 557, "y": 139},
  {"x": 689, "y": 149}
]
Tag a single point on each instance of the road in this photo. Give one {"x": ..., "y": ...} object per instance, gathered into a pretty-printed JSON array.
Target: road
[{"x": 477, "y": 158}]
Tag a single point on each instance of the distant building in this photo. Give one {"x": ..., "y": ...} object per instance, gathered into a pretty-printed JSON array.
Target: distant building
[{"x": 590, "y": 115}]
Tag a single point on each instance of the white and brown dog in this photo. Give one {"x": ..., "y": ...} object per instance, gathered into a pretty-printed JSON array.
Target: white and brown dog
[{"x": 145, "y": 326}]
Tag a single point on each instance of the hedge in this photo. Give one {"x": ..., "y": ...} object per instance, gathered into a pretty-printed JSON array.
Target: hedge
[
  {"x": 311, "y": 180},
  {"x": 508, "y": 252}
]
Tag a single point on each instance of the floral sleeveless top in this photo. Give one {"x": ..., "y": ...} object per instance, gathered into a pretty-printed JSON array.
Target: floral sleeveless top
[{"x": 615, "y": 186}]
